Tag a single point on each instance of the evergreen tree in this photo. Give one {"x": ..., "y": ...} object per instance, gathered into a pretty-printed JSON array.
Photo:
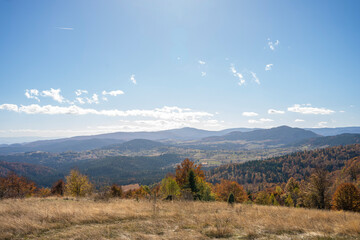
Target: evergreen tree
[{"x": 231, "y": 199}]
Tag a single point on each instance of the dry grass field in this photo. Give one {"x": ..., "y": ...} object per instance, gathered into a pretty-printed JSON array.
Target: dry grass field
[{"x": 61, "y": 218}]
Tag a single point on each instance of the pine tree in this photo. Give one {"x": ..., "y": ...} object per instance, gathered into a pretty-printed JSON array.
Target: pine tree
[{"x": 231, "y": 199}]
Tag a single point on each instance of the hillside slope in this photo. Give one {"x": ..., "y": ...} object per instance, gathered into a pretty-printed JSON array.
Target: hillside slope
[
  {"x": 278, "y": 135},
  {"x": 279, "y": 169}
]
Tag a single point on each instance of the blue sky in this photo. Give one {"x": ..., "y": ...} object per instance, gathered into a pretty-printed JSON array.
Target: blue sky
[{"x": 152, "y": 65}]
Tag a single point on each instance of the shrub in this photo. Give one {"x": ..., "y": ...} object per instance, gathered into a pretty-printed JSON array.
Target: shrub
[
  {"x": 14, "y": 186},
  {"x": 116, "y": 191},
  {"x": 58, "y": 188}
]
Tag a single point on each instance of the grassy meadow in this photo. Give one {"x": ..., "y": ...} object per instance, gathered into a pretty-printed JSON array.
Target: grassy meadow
[{"x": 67, "y": 218}]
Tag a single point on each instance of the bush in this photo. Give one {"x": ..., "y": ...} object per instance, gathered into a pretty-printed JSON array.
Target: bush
[
  {"x": 116, "y": 191},
  {"x": 14, "y": 186},
  {"x": 58, "y": 188}
]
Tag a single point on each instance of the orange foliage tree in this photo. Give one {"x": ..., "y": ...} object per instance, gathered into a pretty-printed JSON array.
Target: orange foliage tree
[
  {"x": 14, "y": 186},
  {"x": 225, "y": 187},
  {"x": 347, "y": 197},
  {"x": 182, "y": 172}
]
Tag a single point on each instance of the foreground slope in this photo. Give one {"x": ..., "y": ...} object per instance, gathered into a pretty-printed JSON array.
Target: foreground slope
[{"x": 62, "y": 218}]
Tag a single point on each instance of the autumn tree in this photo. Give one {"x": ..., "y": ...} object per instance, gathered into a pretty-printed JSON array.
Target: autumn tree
[
  {"x": 182, "y": 172},
  {"x": 263, "y": 198},
  {"x": 58, "y": 188},
  {"x": 204, "y": 190},
  {"x": 292, "y": 190},
  {"x": 225, "y": 187},
  {"x": 318, "y": 190},
  {"x": 14, "y": 186},
  {"x": 170, "y": 188},
  {"x": 347, "y": 197},
  {"x": 77, "y": 185}
]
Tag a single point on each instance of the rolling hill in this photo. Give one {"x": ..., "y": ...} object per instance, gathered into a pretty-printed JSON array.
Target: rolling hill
[
  {"x": 279, "y": 135},
  {"x": 329, "y": 141},
  {"x": 279, "y": 169}
]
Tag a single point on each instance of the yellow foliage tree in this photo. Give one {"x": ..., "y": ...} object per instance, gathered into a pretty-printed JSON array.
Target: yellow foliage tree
[{"x": 77, "y": 184}]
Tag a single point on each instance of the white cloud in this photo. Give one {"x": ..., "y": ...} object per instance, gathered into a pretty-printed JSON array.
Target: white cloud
[
  {"x": 299, "y": 120},
  {"x": 113, "y": 93},
  {"x": 9, "y": 107},
  {"x": 273, "y": 111},
  {"x": 203, "y": 74},
  {"x": 32, "y": 93},
  {"x": 261, "y": 120},
  {"x": 201, "y": 62},
  {"x": 304, "y": 109},
  {"x": 80, "y": 100},
  {"x": 255, "y": 78},
  {"x": 66, "y": 28},
  {"x": 238, "y": 75},
  {"x": 322, "y": 124},
  {"x": 341, "y": 111},
  {"x": 79, "y": 92},
  {"x": 268, "y": 67},
  {"x": 273, "y": 45},
  {"x": 93, "y": 99},
  {"x": 132, "y": 79},
  {"x": 166, "y": 113},
  {"x": 54, "y": 94},
  {"x": 250, "y": 114}
]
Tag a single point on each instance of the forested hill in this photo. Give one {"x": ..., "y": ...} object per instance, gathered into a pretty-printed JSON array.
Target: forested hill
[{"x": 299, "y": 165}]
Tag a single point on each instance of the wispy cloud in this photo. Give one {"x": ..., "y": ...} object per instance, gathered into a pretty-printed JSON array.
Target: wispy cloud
[
  {"x": 80, "y": 100},
  {"x": 255, "y": 78},
  {"x": 268, "y": 67},
  {"x": 261, "y": 120},
  {"x": 113, "y": 93},
  {"x": 203, "y": 74},
  {"x": 250, "y": 114},
  {"x": 132, "y": 79},
  {"x": 93, "y": 99},
  {"x": 32, "y": 94},
  {"x": 54, "y": 94},
  {"x": 273, "y": 111},
  {"x": 79, "y": 92},
  {"x": 66, "y": 28},
  {"x": 306, "y": 109},
  {"x": 165, "y": 113},
  {"x": 273, "y": 45},
  {"x": 238, "y": 75},
  {"x": 322, "y": 124},
  {"x": 299, "y": 120},
  {"x": 201, "y": 62}
]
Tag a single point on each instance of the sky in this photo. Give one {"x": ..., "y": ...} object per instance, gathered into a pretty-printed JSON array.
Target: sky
[{"x": 80, "y": 67}]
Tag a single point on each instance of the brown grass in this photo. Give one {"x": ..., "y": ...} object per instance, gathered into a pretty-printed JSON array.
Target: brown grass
[{"x": 57, "y": 218}]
